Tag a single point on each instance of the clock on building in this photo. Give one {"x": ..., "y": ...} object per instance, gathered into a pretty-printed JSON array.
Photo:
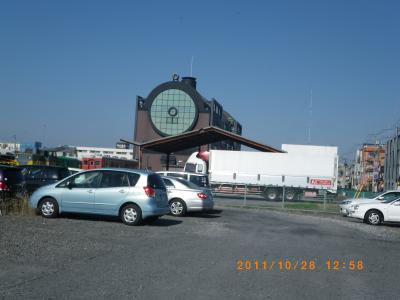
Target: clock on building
[{"x": 172, "y": 112}]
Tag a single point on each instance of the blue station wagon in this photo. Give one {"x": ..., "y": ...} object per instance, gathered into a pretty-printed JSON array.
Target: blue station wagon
[{"x": 133, "y": 195}]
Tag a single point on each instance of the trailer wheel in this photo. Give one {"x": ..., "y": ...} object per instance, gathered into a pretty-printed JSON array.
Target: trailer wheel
[
  {"x": 290, "y": 195},
  {"x": 271, "y": 194}
]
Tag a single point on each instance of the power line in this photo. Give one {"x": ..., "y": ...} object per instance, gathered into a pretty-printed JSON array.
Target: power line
[{"x": 381, "y": 134}]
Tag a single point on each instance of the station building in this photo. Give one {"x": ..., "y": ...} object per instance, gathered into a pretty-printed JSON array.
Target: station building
[{"x": 175, "y": 107}]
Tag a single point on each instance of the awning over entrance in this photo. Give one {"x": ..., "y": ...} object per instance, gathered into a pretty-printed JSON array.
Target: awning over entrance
[{"x": 197, "y": 138}]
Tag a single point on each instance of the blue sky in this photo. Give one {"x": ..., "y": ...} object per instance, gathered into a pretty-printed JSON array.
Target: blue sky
[{"x": 70, "y": 70}]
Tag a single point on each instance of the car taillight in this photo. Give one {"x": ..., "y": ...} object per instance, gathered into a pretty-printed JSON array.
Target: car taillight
[
  {"x": 3, "y": 186},
  {"x": 149, "y": 191},
  {"x": 202, "y": 196}
]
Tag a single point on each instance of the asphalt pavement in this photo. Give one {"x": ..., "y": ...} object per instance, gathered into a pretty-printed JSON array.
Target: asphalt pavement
[{"x": 197, "y": 257}]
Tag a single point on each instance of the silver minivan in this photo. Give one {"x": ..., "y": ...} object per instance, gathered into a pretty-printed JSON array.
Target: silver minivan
[{"x": 133, "y": 195}]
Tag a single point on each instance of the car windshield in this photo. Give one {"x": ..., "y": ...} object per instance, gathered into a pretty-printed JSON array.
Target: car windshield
[
  {"x": 379, "y": 195},
  {"x": 190, "y": 167},
  {"x": 388, "y": 196},
  {"x": 391, "y": 200},
  {"x": 188, "y": 184}
]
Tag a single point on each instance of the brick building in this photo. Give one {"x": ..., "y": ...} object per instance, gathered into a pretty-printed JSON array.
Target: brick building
[
  {"x": 175, "y": 107},
  {"x": 369, "y": 168}
]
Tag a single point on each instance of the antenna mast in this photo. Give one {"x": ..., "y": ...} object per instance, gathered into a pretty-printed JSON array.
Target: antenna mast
[
  {"x": 191, "y": 66},
  {"x": 310, "y": 116}
]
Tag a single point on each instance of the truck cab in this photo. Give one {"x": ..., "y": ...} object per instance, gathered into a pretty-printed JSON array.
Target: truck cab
[{"x": 195, "y": 164}]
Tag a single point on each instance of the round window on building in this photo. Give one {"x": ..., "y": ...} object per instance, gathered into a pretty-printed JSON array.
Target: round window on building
[{"x": 173, "y": 111}]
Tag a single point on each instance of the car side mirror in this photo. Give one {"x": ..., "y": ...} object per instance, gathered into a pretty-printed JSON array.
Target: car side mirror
[
  {"x": 397, "y": 203},
  {"x": 380, "y": 198},
  {"x": 70, "y": 185}
]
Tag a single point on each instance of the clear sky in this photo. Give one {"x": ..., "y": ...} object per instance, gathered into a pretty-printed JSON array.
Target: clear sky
[{"x": 70, "y": 70}]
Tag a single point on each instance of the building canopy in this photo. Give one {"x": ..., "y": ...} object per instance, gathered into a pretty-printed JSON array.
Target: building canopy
[{"x": 197, "y": 138}]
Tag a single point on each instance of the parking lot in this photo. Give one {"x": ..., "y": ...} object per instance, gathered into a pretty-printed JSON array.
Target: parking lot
[{"x": 195, "y": 257}]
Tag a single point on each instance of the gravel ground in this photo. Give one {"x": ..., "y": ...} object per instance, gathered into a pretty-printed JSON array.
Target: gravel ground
[{"x": 83, "y": 257}]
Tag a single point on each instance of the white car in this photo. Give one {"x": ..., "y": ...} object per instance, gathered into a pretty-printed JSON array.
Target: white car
[
  {"x": 347, "y": 205},
  {"x": 378, "y": 212}
]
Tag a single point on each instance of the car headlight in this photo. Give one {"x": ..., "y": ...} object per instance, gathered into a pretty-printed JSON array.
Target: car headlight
[{"x": 356, "y": 207}]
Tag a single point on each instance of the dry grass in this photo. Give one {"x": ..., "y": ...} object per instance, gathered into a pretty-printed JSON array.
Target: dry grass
[{"x": 15, "y": 206}]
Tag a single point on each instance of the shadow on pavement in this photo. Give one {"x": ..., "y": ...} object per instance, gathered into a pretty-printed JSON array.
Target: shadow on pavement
[
  {"x": 388, "y": 224},
  {"x": 100, "y": 218},
  {"x": 212, "y": 214},
  {"x": 89, "y": 217},
  {"x": 162, "y": 223}
]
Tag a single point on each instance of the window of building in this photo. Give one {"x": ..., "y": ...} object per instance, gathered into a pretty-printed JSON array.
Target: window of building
[{"x": 172, "y": 160}]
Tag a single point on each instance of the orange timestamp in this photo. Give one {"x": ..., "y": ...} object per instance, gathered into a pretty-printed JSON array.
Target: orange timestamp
[{"x": 302, "y": 265}]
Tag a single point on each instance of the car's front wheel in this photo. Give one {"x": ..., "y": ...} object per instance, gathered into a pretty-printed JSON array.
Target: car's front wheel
[
  {"x": 177, "y": 208},
  {"x": 48, "y": 208},
  {"x": 373, "y": 217},
  {"x": 131, "y": 215}
]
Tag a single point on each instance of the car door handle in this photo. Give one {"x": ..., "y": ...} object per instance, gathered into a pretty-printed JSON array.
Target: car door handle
[
  {"x": 122, "y": 191},
  {"x": 90, "y": 191}
]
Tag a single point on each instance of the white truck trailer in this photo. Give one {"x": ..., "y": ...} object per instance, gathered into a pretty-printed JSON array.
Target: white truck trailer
[{"x": 302, "y": 171}]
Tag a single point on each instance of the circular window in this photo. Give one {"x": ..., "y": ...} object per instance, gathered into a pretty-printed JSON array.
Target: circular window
[{"x": 173, "y": 111}]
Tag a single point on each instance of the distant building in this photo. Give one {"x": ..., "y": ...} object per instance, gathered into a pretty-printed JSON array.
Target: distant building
[
  {"x": 9, "y": 148},
  {"x": 80, "y": 152},
  {"x": 345, "y": 176},
  {"x": 392, "y": 163},
  {"x": 15, "y": 148},
  {"x": 369, "y": 168},
  {"x": 103, "y": 152},
  {"x": 175, "y": 107}
]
